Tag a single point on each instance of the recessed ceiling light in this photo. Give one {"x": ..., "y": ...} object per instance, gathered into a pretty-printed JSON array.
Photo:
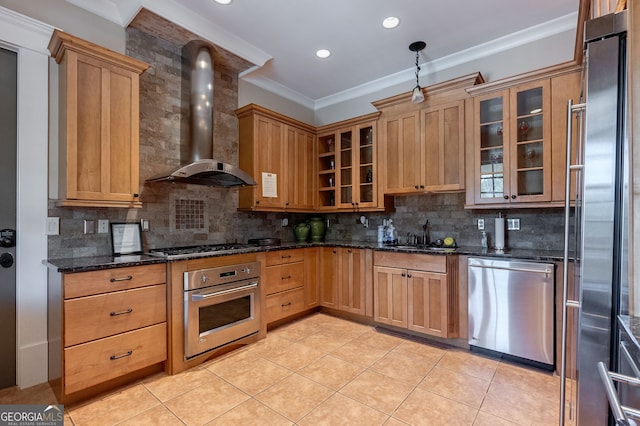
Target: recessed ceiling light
[
  {"x": 224, "y": 1},
  {"x": 323, "y": 53},
  {"x": 390, "y": 22}
]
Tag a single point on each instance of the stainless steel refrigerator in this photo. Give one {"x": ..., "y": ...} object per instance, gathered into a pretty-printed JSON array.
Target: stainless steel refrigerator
[{"x": 600, "y": 226}]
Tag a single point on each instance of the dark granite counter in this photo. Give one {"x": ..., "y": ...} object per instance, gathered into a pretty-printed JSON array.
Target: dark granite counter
[
  {"x": 94, "y": 263},
  {"x": 84, "y": 264}
]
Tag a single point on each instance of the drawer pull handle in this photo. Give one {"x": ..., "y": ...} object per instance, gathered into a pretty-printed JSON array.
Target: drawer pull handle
[
  {"x": 288, "y": 277},
  {"x": 285, "y": 257},
  {"x": 284, "y": 305},
  {"x": 126, "y": 311},
  {"x": 127, "y": 278},
  {"x": 114, "y": 357}
]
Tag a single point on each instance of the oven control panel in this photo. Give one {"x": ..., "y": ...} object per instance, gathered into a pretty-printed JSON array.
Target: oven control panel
[{"x": 200, "y": 278}]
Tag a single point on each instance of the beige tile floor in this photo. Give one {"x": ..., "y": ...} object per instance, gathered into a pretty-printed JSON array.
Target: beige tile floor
[{"x": 323, "y": 370}]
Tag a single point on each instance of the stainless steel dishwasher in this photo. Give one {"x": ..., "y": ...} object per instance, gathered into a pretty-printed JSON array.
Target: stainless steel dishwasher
[{"x": 511, "y": 308}]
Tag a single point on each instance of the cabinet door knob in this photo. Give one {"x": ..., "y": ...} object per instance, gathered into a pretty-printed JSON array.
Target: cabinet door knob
[
  {"x": 403, "y": 274},
  {"x": 421, "y": 186},
  {"x": 334, "y": 251},
  {"x": 506, "y": 197},
  {"x": 416, "y": 187},
  {"x": 408, "y": 275},
  {"x": 513, "y": 197},
  {"x": 136, "y": 195}
]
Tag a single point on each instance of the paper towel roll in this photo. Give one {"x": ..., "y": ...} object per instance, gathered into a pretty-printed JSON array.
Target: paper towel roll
[{"x": 499, "y": 240}]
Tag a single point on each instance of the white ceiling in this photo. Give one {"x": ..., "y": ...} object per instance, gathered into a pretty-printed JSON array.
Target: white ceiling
[{"x": 281, "y": 36}]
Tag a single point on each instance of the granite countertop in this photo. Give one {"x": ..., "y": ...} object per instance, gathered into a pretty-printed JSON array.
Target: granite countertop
[
  {"x": 95, "y": 263},
  {"x": 85, "y": 264}
]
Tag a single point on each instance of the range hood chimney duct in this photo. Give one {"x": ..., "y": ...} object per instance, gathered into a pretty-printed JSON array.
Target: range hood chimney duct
[{"x": 202, "y": 169}]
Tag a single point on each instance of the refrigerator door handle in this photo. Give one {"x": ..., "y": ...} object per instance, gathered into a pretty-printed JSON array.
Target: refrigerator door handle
[
  {"x": 618, "y": 410},
  {"x": 566, "y": 303}
]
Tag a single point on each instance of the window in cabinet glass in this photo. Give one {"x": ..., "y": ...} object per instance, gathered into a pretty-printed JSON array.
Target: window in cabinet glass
[{"x": 491, "y": 173}]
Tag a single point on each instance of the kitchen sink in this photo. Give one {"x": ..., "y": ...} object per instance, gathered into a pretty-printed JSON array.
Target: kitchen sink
[{"x": 424, "y": 247}]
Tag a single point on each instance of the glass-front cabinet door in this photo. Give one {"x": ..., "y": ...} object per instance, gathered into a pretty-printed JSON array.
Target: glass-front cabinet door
[
  {"x": 366, "y": 172},
  {"x": 326, "y": 171},
  {"x": 513, "y": 155},
  {"x": 492, "y": 141},
  {"x": 530, "y": 149},
  {"x": 346, "y": 168}
]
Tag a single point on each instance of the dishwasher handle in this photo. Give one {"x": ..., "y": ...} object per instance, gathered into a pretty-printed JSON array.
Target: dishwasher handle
[{"x": 546, "y": 270}]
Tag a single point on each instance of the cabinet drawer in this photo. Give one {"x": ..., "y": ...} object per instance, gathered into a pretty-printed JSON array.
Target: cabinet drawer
[
  {"x": 115, "y": 279},
  {"x": 95, "y": 362},
  {"x": 284, "y": 256},
  {"x": 420, "y": 262},
  {"x": 283, "y": 304},
  {"x": 94, "y": 317},
  {"x": 284, "y": 277}
]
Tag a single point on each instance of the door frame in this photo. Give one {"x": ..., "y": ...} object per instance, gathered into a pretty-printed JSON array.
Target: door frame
[{"x": 29, "y": 38}]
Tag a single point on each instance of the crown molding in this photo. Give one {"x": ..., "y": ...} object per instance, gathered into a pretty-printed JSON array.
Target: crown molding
[
  {"x": 122, "y": 13},
  {"x": 528, "y": 35},
  {"x": 23, "y": 31}
]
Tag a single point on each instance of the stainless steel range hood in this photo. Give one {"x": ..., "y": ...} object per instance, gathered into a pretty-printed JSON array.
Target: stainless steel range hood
[{"x": 202, "y": 169}]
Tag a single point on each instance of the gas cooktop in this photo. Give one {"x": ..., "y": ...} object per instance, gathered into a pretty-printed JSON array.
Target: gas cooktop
[{"x": 200, "y": 250}]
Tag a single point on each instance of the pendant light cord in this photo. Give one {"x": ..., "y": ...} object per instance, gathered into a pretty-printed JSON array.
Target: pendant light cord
[{"x": 417, "y": 69}]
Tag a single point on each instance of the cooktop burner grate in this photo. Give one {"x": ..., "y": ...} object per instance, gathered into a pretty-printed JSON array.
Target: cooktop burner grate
[{"x": 204, "y": 248}]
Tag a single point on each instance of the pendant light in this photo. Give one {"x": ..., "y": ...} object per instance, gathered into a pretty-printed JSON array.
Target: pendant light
[{"x": 417, "y": 96}]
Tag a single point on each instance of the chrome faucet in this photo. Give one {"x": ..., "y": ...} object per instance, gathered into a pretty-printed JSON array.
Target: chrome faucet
[{"x": 426, "y": 238}]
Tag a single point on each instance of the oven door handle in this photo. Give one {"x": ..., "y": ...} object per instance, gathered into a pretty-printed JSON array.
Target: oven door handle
[{"x": 203, "y": 296}]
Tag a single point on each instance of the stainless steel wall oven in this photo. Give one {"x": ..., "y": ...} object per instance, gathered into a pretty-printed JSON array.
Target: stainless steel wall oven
[{"x": 221, "y": 305}]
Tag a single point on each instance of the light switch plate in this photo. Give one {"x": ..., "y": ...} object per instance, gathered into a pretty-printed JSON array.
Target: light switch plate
[
  {"x": 144, "y": 224},
  {"x": 53, "y": 226},
  {"x": 89, "y": 226},
  {"x": 513, "y": 224},
  {"x": 103, "y": 226},
  {"x": 481, "y": 224}
]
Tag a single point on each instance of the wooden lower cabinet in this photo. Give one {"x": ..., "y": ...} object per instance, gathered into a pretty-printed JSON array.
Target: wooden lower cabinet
[
  {"x": 427, "y": 310},
  {"x": 328, "y": 277},
  {"x": 289, "y": 284},
  {"x": 345, "y": 280},
  {"x": 425, "y": 301},
  {"x": 105, "y": 325},
  {"x": 100, "y": 360},
  {"x": 390, "y": 296}
]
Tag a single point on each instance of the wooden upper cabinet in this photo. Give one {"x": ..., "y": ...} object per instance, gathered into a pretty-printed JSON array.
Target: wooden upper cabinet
[
  {"x": 422, "y": 146},
  {"x": 401, "y": 153},
  {"x": 277, "y": 152},
  {"x": 444, "y": 141},
  {"x": 519, "y": 144},
  {"x": 300, "y": 174},
  {"x": 99, "y": 116},
  {"x": 347, "y": 169}
]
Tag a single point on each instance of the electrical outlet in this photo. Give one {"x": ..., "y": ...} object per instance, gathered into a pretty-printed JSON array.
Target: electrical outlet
[
  {"x": 285, "y": 222},
  {"x": 513, "y": 224},
  {"x": 480, "y": 224},
  {"x": 144, "y": 224},
  {"x": 89, "y": 226},
  {"x": 103, "y": 226},
  {"x": 53, "y": 226}
]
